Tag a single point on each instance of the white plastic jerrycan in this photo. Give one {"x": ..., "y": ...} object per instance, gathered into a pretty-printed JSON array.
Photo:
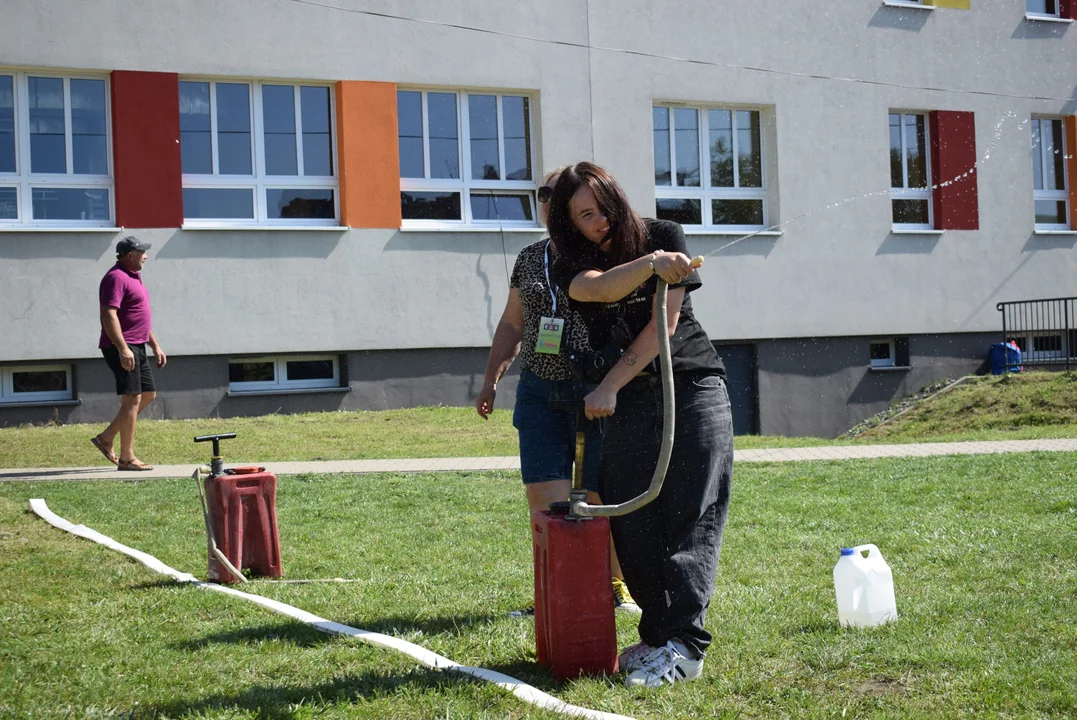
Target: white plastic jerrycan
[{"x": 864, "y": 587}]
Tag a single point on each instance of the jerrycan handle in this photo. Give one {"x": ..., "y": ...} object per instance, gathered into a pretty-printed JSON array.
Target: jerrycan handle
[{"x": 872, "y": 551}]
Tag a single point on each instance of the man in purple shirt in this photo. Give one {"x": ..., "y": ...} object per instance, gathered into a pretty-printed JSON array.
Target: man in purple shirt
[{"x": 126, "y": 329}]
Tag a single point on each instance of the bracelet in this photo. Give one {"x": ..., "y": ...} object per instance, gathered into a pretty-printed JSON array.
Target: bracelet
[
  {"x": 653, "y": 256},
  {"x": 490, "y": 384}
]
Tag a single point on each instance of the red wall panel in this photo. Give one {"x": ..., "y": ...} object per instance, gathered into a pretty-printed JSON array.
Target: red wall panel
[
  {"x": 146, "y": 149},
  {"x": 955, "y": 199}
]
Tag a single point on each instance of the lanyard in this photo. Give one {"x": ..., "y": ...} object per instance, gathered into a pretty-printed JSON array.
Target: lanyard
[{"x": 546, "y": 268}]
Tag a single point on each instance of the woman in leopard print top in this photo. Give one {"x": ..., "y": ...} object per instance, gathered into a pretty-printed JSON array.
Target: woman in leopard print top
[{"x": 547, "y": 437}]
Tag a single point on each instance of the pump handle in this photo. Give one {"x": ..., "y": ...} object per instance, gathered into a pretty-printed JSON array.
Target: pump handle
[
  {"x": 222, "y": 436},
  {"x": 216, "y": 440}
]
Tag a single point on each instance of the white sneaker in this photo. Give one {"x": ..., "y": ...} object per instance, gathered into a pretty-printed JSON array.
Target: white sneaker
[
  {"x": 667, "y": 664},
  {"x": 632, "y": 658}
]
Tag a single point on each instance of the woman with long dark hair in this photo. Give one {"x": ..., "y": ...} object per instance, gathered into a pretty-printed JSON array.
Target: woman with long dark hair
[
  {"x": 547, "y": 436},
  {"x": 608, "y": 257}
]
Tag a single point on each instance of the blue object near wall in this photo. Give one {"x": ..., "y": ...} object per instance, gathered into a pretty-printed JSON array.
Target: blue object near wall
[{"x": 1004, "y": 358}]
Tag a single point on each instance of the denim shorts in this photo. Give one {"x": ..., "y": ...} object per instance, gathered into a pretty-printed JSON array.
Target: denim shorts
[{"x": 548, "y": 437}]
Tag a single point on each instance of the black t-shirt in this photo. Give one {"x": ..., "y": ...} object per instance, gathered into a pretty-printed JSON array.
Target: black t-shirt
[{"x": 622, "y": 321}]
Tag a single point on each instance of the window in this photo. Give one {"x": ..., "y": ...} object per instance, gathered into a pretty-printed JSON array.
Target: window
[
  {"x": 1048, "y": 344},
  {"x": 882, "y": 353},
  {"x": 910, "y": 172},
  {"x": 41, "y": 383},
  {"x": 1043, "y": 8},
  {"x": 257, "y": 152},
  {"x": 1050, "y": 190},
  {"x": 283, "y": 373},
  {"x": 465, "y": 158},
  {"x": 54, "y": 151},
  {"x": 729, "y": 192},
  {"x": 1045, "y": 345},
  {"x": 889, "y": 353}
]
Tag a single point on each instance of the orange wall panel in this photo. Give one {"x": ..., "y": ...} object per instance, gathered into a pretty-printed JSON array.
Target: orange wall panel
[{"x": 368, "y": 155}]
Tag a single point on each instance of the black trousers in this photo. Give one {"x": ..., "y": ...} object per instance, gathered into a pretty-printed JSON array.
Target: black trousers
[{"x": 669, "y": 548}]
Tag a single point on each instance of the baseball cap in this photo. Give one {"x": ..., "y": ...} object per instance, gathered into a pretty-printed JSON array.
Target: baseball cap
[{"x": 130, "y": 244}]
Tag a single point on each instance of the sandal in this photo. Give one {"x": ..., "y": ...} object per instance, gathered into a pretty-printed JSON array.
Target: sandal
[
  {"x": 135, "y": 465},
  {"x": 107, "y": 452}
]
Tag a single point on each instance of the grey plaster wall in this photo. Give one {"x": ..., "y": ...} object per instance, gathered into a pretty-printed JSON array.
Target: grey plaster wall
[
  {"x": 824, "y": 386},
  {"x": 197, "y": 387},
  {"x": 595, "y": 68},
  {"x": 817, "y": 387}
]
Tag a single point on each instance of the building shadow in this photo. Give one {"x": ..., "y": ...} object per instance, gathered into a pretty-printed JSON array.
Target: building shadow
[
  {"x": 1035, "y": 242},
  {"x": 908, "y": 244},
  {"x": 877, "y": 387},
  {"x": 899, "y": 18},
  {"x": 758, "y": 246},
  {"x": 250, "y": 244},
  {"x": 66, "y": 245},
  {"x": 1037, "y": 30}
]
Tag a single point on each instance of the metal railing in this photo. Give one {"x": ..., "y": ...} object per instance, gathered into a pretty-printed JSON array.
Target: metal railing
[{"x": 1045, "y": 330}]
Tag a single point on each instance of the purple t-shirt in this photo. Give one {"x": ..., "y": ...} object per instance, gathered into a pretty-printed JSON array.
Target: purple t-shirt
[{"x": 123, "y": 290}]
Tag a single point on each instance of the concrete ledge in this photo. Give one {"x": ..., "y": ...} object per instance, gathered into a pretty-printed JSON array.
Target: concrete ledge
[
  {"x": 40, "y": 403},
  {"x": 288, "y": 391}
]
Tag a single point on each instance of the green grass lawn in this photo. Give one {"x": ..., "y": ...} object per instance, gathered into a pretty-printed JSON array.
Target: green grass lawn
[
  {"x": 1016, "y": 407},
  {"x": 1008, "y": 407},
  {"x": 982, "y": 550},
  {"x": 412, "y": 433}
]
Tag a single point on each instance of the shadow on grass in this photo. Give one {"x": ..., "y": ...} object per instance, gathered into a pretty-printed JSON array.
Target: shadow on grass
[
  {"x": 157, "y": 584},
  {"x": 279, "y": 702},
  {"x": 400, "y": 626},
  {"x": 814, "y": 627},
  {"x": 295, "y": 633},
  {"x": 530, "y": 672}
]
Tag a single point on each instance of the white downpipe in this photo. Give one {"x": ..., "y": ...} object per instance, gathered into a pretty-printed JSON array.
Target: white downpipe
[{"x": 520, "y": 689}]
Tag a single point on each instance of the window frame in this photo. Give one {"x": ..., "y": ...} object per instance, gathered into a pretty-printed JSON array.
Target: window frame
[
  {"x": 1035, "y": 354},
  {"x": 1050, "y": 195},
  {"x": 706, "y": 193},
  {"x": 280, "y": 372},
  {"x": 888, "y": 362},
  {"x": 7, "y": 390},
  {"x": 25, "y": 181},
  {"x": 1035, "y": 15},
  {"x": 465, "y": 184},
  {"x": 258, "y": 181},
  {"x": 905, "y": 192}
]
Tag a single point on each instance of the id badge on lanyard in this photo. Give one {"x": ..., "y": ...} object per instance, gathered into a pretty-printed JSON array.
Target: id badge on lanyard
[{"x": 550, "y": 328}]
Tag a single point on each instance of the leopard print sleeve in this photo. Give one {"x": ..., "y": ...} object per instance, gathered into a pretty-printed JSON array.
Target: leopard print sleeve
[{"x": 529, "y": 275}]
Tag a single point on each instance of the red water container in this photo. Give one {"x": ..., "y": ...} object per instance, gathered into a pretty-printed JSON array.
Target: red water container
[
  {"x": 243, "y": 514},
  {"x": 575, "y": 633}
]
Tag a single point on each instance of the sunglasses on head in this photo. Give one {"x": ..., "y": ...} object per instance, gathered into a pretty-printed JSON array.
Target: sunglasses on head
[{"x": 544, "y": 193}]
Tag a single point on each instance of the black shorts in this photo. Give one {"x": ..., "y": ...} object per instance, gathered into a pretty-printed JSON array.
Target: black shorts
[{"x": 135, "y": 381}]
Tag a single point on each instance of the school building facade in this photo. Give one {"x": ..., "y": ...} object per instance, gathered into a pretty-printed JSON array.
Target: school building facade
[{"x": 336, "y": 191}]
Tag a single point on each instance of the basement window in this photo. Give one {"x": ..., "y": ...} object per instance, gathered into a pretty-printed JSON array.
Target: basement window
[
  {"x": 34, "y": 384},
  {"x": 889, "y": 354},
  {"x": 261, "y": 374}
]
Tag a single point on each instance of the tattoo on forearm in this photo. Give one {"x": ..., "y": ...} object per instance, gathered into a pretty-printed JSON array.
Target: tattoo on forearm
[{"x": 630, "y": 358}]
